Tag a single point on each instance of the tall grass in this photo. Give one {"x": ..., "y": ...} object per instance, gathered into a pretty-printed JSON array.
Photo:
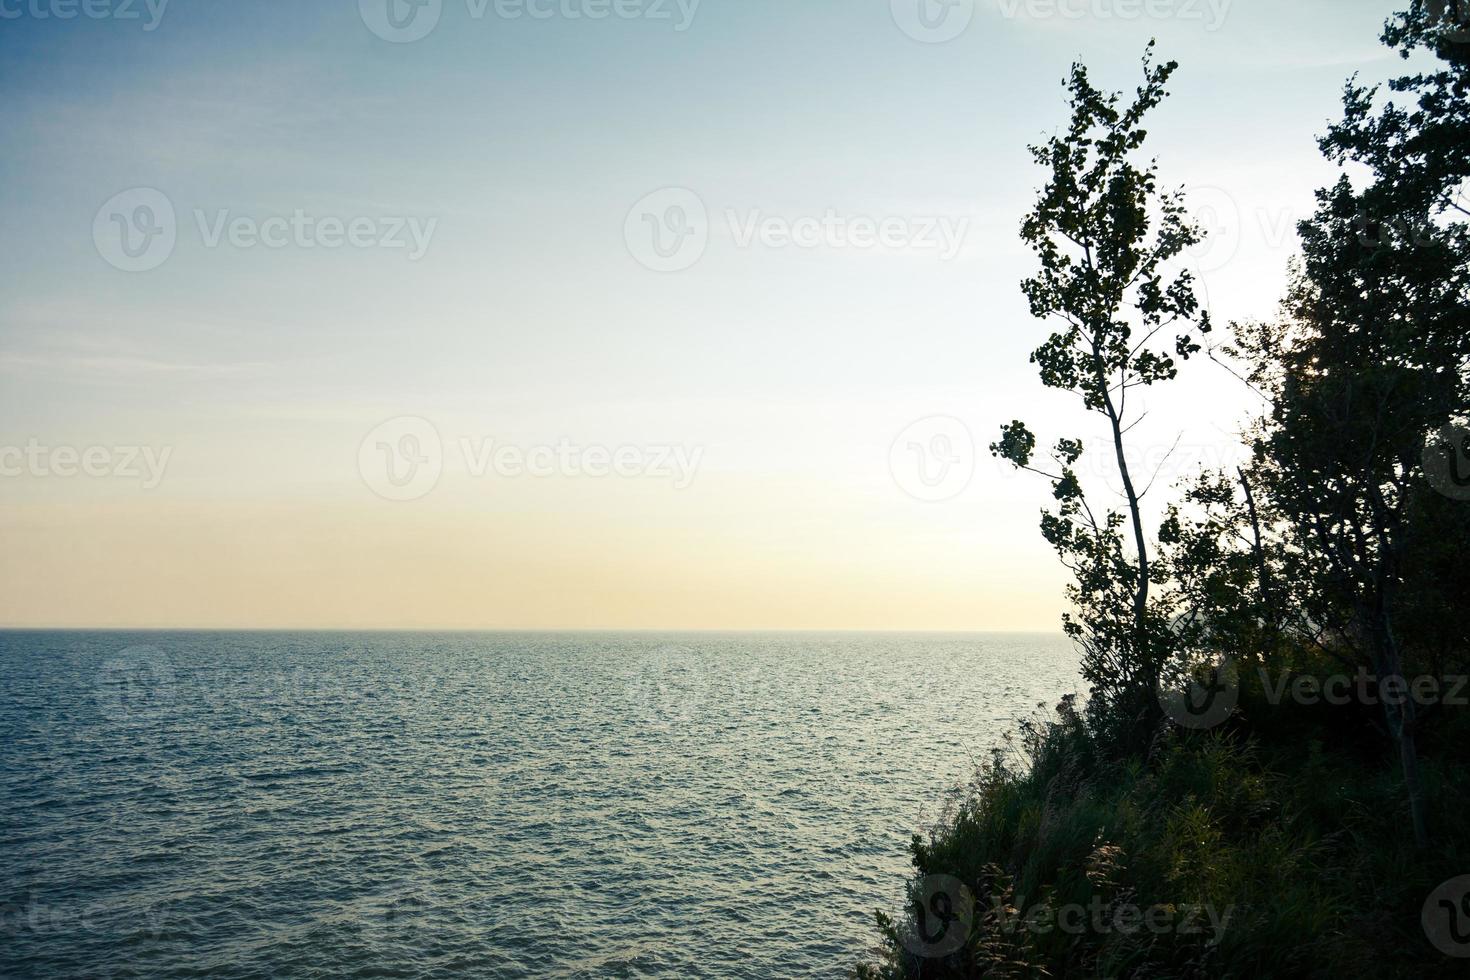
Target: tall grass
[{"x": 1277, "y": 850}]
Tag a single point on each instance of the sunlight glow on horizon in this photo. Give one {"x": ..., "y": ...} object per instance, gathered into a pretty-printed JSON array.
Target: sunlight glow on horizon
[{"x": 266, "y": 357}]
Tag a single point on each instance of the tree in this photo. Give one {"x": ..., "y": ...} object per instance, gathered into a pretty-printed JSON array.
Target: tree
[
  {"x": 1106, "y": 236},
  {"x": 1370, "y": 361}
]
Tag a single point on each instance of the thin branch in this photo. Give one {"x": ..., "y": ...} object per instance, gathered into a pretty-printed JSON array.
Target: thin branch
[{"x": 1162, "y": 463}]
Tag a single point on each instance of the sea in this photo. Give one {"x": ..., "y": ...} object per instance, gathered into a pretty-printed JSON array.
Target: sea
[{"x": 315, "y": 804}]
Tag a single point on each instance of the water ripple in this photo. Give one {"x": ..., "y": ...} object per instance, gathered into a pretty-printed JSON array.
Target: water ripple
[{"x": 503, "y": 805}]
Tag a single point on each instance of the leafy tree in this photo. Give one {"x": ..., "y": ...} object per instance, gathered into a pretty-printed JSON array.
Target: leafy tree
[
  {"x": 1225, "y": 571},
  {"x": 1105, "y": 234},
  {"x": 1369, "y": 361},
  {"x": 1419, "y": 155}
]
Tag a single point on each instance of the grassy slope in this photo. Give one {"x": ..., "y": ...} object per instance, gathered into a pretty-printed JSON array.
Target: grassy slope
[{"x": 1296, "y": 827}]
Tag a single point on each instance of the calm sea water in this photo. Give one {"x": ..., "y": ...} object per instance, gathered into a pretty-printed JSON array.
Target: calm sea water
[{"x": 504, "y": 805}]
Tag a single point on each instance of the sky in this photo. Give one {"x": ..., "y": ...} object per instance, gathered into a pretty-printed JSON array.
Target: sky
[{"x": 586, "y": 314}]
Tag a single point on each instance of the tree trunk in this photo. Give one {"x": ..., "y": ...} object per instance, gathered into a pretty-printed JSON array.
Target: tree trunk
[
  {"x": 1263, "y": 572},
  {"x": 1409, "y": 760},
  {"x": 1140, "y": 599},
  {"x": 1401, "y": 719}
]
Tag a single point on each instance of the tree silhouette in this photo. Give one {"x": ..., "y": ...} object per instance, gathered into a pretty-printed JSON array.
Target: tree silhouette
[
  {"x": 1368, "y": 362},
  {"x": 1106, "y": 235}
]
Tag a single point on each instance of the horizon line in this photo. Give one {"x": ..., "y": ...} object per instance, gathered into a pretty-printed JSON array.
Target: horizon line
[{"x": 5, "y": 628}]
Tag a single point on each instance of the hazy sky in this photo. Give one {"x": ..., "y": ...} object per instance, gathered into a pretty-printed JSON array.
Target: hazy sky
[{"x": 430, "y": 268}]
